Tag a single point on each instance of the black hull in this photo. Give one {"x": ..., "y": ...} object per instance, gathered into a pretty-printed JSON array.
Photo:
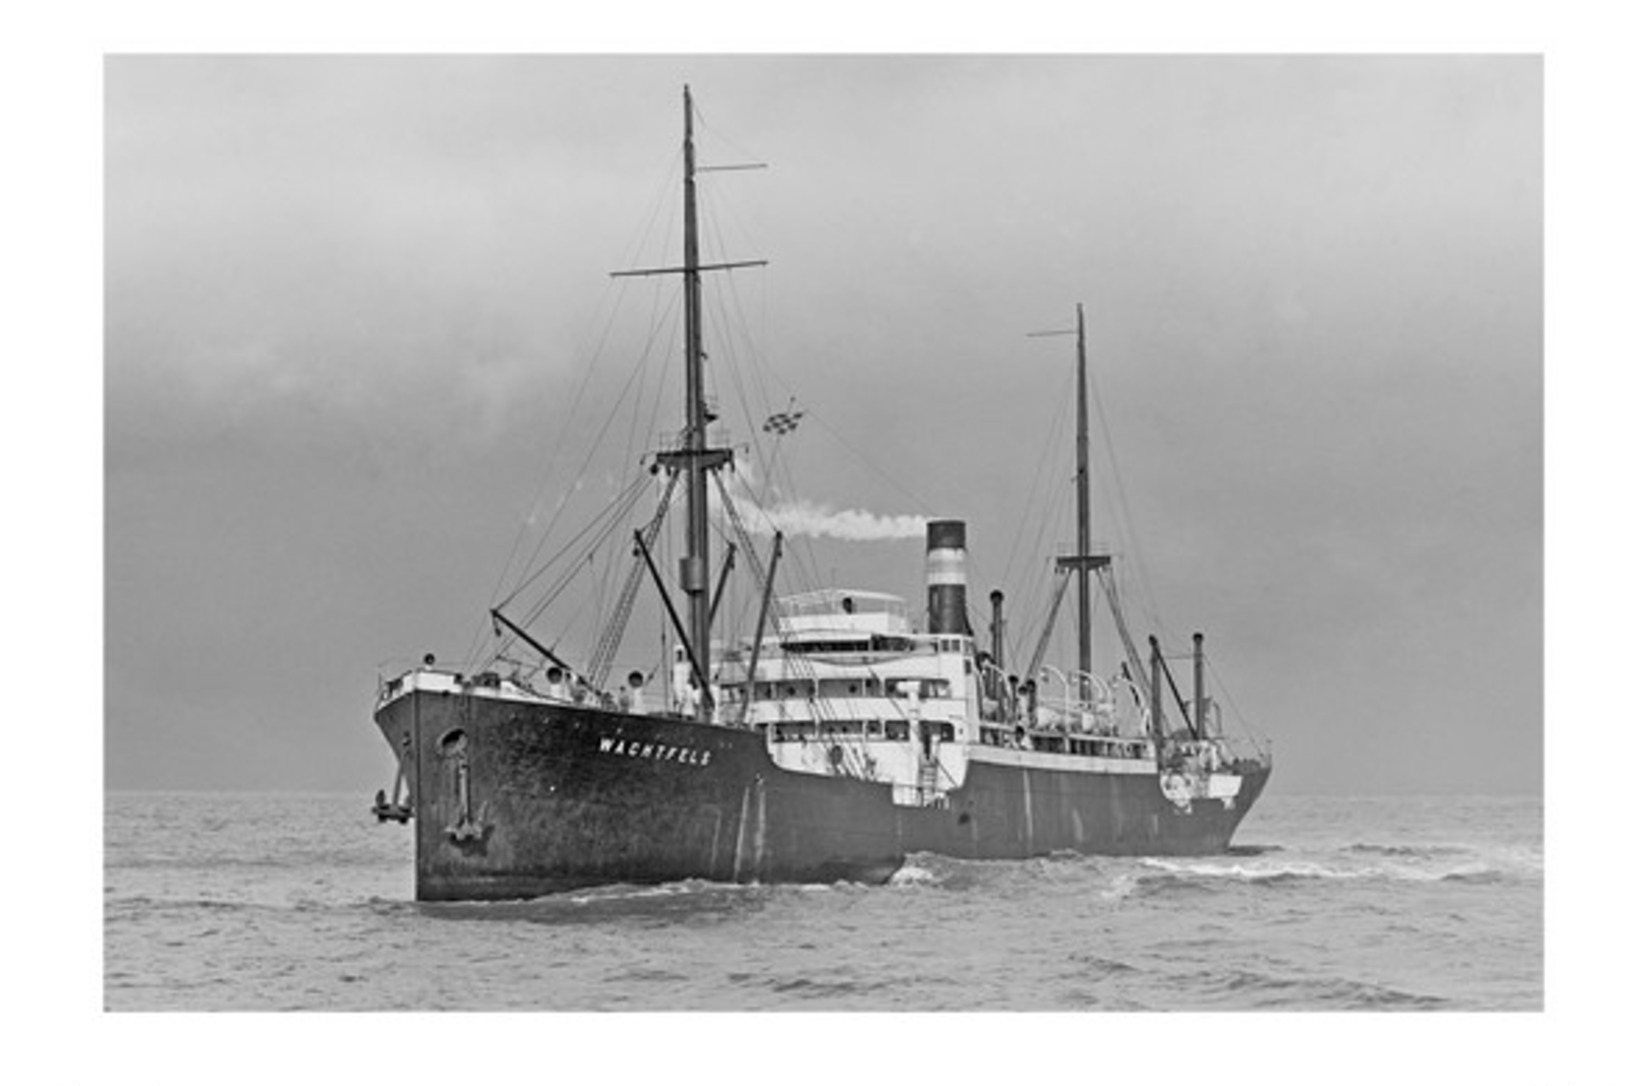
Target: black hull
[{"x": 514, "y": 799}]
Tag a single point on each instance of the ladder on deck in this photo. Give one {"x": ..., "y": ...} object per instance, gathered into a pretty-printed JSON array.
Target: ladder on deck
[{"x": 928, "y": 781}]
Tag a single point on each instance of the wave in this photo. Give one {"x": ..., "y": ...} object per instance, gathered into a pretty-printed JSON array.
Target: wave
[
  {"x": 1406, "y": 866},
  {"x": 1420, "y": 852},
  {"x": 808, "y": 988},
  {"x": 1068, "y": 864},
  {"x": 679, "y": 902},
  {"x": 388, "y": 906},
  {"x": 1120, "y": 887},
  {"x": 1272, "y": 866},
  {"x": 936, "y": 872},
  {"x": 1170, "y": 885},
  {"x": 1266, "y": 872},
  {"x": 1484, "y": 877},
  {"x": 139, "y": 905},
  {"x": 143, "y": 906},
  {"x": 1100, "y": 966},
  {"x": 629, "y": 891},
  {"x": 914, "y": 874},
  {"x": 1263, "y": 990}
]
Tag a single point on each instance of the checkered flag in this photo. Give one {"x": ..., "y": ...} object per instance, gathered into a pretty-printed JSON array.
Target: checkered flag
[{"x": 782, "y": 423}]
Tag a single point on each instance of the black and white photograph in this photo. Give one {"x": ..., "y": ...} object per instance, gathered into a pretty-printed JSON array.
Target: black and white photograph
[
  {"x": 784, "y": 541},
  {"x": 848, "y": 533}
]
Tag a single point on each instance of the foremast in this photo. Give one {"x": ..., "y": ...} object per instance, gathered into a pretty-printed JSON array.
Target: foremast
[
  {"x": 695, "y": 458},
  {"x": 695, "y": 576}
]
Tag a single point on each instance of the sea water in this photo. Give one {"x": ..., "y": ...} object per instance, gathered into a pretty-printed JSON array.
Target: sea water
[{"x": 303, "y": 902}]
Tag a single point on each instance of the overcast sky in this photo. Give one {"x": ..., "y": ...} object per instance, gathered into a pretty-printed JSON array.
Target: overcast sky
[{"x": 348, "y": 302}]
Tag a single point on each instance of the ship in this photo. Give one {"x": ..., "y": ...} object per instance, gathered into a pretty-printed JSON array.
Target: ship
[{"x": 833, "y": 740}]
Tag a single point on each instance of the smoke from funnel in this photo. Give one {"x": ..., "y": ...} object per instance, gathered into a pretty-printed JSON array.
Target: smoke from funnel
[{"x": 811, "y": 519}]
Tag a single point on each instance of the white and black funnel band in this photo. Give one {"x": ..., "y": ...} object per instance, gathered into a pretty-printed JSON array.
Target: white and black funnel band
[{"x": 945, "y": 577}]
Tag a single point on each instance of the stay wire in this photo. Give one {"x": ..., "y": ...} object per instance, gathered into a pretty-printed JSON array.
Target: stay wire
[
  {"x": 1044, "y": 457},
  {"x": 588, "y": 559},
  {"x": 606, "y": 327},
  {"x": 1032, "y": 589},
  {"x": 1131, "y": 536},
  {"x": 583, "y": 557},
  {"x": 612, "y": 517},
  {"x": 592, "y": 451},
  {"x": 1037, "y": 587},
  {"x": 1229, "y": 698},
  {"x": 566, "y": 549}
]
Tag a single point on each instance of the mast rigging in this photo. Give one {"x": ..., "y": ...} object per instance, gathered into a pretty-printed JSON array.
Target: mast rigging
[
  {"x": 1082, "y": 561},
  {"x": 695, "y": 458}
]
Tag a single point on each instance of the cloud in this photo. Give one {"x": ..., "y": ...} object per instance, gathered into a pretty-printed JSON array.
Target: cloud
[{"x": 276, "y": 239}]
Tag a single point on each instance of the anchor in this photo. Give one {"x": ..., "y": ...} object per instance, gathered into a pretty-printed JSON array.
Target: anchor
[
  {"x": 392, "y": 809},
  {"x": 468, "y": 833}
]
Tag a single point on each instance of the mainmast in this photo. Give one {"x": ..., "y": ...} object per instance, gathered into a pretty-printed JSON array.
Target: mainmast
[
  {"x": 1085, "y": 642},
  {"x": 1081, "y": 563}
]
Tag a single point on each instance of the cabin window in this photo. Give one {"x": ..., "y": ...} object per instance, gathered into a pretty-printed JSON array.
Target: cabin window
[
  {"x": 896, "y": 729},
  {"x": 929, "y": 688},
  {"x": 825, "y": 648}
]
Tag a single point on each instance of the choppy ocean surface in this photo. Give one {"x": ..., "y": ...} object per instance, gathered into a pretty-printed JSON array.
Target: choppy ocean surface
[{"x": 303, "y": 902}]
